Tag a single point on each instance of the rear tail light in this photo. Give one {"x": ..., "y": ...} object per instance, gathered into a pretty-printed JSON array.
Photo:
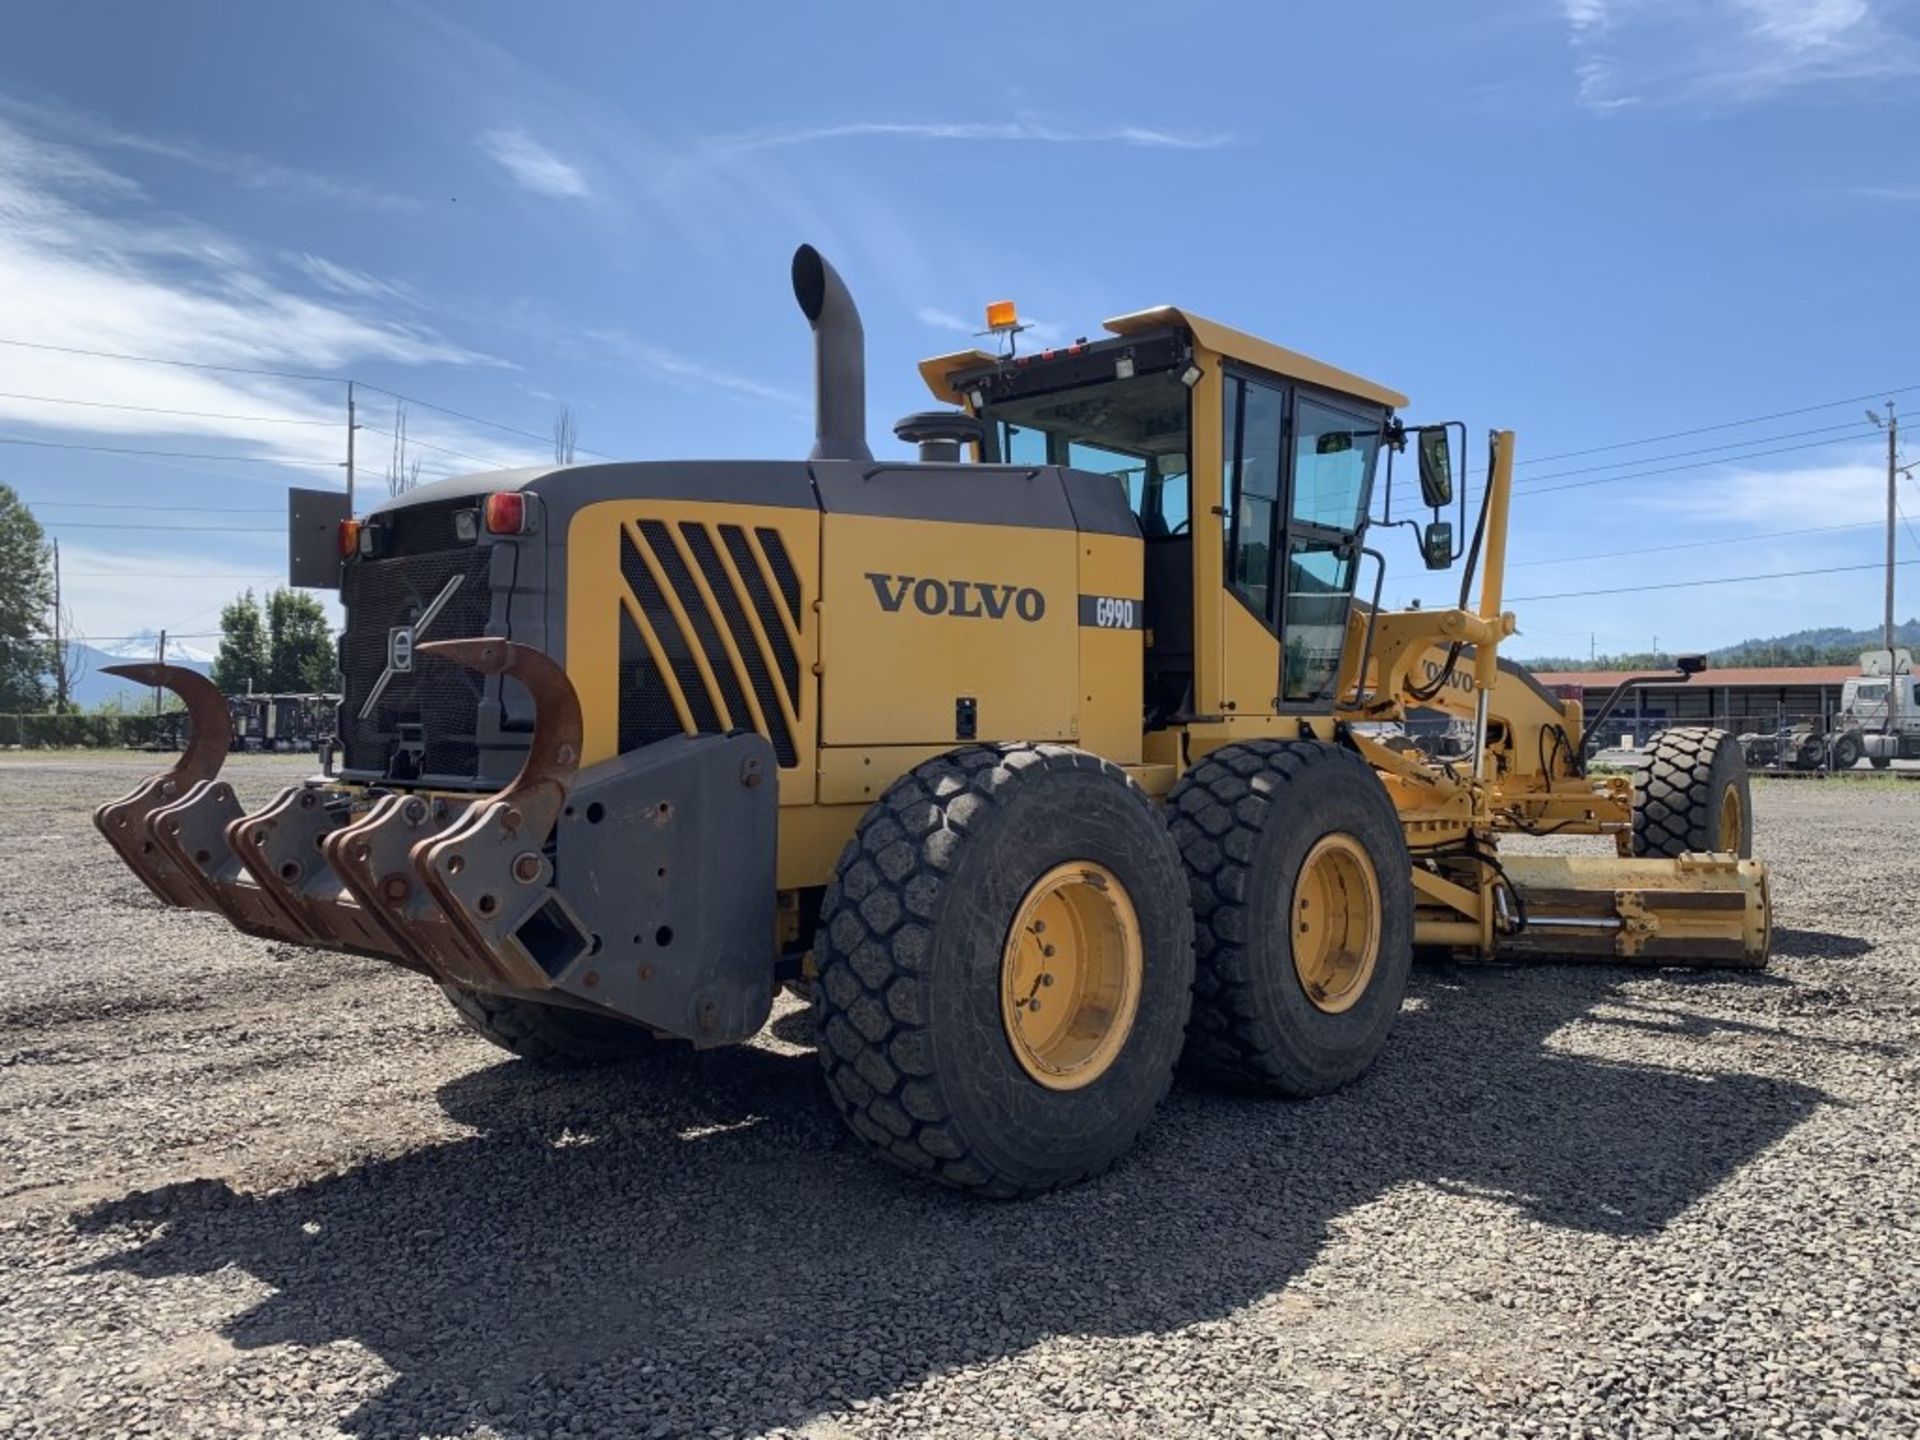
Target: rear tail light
[{"x": 506, "y": 513}]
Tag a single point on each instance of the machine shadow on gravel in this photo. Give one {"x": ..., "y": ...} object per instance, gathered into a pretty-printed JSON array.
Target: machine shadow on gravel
[{"x": 691, "y": 1235}]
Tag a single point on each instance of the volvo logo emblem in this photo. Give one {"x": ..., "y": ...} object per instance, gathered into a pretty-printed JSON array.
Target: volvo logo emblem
[
  {"x": 964, "y": 599},
  {"x": 400, "y": 645}
]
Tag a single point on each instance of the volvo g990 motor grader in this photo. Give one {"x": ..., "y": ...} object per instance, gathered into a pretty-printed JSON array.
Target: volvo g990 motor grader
[{"x": 1044, "y": 761}]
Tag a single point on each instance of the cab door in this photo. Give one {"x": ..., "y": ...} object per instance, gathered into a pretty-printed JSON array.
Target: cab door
[{"x": 1296, "y": 475}]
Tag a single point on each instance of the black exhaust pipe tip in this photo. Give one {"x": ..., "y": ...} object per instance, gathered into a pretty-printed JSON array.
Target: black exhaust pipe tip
[
  {"x": 839, "y": 359},
  {"x": 809, "y": 282}
]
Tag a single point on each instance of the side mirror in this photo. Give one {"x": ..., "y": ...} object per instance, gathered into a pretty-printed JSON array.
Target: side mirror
[
  {"x": 1436, "y": 467},
  {"x": 1436, "y": 542}
]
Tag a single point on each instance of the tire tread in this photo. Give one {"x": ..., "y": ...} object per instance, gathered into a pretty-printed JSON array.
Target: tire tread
[{"x": 875, "y": 942}]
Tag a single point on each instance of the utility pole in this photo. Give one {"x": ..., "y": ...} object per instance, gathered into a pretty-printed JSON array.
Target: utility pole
[
  {"x": 59, "y": 649},
  {"x": 350, "y": 429},
  {"x": 1892, "y": 426},
  {"x": 162, "y": 658}
]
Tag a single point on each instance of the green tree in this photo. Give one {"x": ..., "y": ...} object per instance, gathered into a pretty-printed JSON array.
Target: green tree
[
  {"x": 26, "y": 597},
  {"x": 244, "y": 661},
  {"x": 300, "y": 643}
]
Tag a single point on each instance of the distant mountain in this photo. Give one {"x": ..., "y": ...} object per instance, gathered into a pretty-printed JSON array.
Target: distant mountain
[
  {"x": 1826, "y": 645},
  {"x": 94, "y": 686},
  {"x": 145, "y": 645},
  {"x": 1827, "y": 639}
]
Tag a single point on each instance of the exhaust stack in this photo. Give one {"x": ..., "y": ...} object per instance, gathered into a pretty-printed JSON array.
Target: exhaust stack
[{"x": 839, "y": 359}]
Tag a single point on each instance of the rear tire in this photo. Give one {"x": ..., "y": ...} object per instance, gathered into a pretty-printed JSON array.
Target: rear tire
[
  {"x": 554, "y": 1036},
  {"x": 930, "y": 1049},
  {"x": 1251, "y": 821},
  {"x": 1847, "y": 750},
  {"x": 1692, "y": 795}
]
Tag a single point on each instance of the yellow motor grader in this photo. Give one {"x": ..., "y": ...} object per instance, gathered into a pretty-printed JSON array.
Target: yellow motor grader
[{"x": 1045, "y": 761}]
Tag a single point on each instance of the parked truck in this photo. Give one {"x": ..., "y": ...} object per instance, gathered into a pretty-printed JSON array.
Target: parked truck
[{"x": 1880, "y": 711}]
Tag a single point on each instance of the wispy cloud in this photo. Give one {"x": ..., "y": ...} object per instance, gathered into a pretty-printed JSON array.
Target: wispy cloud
[
  {"x": 938, "y": 319},
  {"x": 1812, "y": 495},
  {"x": 1001, "y": 131},
  {"x": 533, "y": 165},
  {"x": 1653, "y": 52},
  {"x": 248, "y": 171},
  {"x": 691, "y": 374},
  {"x": 88, "y": 265},
  {"x": 357, "y": 284}
]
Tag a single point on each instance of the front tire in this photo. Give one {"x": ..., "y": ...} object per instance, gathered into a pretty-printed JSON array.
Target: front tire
[
  {"x": 1692, "y": 795},
  {"x": 1302, "y": 897},
  {"x": 1006, "y": 963}
]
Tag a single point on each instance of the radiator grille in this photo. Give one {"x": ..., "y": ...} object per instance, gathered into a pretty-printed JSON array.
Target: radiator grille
[
  {"x": 685, "y": 669},
  {"x": 442, "y": 698}
]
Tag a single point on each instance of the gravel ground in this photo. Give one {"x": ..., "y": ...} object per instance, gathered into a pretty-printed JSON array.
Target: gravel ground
[{"x": 248, "y": 1190}]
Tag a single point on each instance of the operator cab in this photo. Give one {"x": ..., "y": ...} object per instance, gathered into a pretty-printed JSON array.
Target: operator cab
[{"x": 1273, "y": 451}]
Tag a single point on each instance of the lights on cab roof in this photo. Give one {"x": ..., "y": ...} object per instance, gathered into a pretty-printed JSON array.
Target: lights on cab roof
[{"x": 1003, "y": 318}]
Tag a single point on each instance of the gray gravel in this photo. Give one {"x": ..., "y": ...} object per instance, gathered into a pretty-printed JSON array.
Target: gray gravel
[{"x": 246, "y": 1190}]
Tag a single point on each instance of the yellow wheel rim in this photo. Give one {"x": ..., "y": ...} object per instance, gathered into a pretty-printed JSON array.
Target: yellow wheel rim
[
  {"x": 1730, "y": 821},
  {"x": 1335, "y": 919},
  {"x": 1070, "y": 975}
]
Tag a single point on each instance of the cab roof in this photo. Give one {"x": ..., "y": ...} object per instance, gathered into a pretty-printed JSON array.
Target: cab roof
[{"x": 1209, "y": 335}]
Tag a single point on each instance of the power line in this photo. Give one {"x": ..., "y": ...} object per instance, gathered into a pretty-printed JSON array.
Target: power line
[
  {"x": 168, "y": 454},
  {"x": 135, "y": 525},
  {"x": 1851, "y": 425},
  {"x": 177, "y": 574},
  {"x": 1723, "y": 425},
  {"x": 312, "y": 379},
  {"x": 165, "y": 410},
  {"x": 1905, "y": 521},
  {"x": 1693, "y": 544},
  {"x": 481, "y": 420},
  {"x": 141, "y": 505},
  {"x": 181, "y": 364},
  {"x": 1676, "y": 469},
  {"x": 412, "y": 443},
  {"x": 1717, "y": 580}
]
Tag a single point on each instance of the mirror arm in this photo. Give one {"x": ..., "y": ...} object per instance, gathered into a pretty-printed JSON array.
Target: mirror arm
[
  {"x": 1396, "y": 438},
  {"x": 1463, "y": 494}
]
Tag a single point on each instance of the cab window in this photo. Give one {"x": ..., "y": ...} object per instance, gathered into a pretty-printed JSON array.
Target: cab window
[
  {"x": 1252, "y": 430},
  {"x": 1134, "y": 429},
  {"x": 1333, "y": 455},
  {"x": 1319, "y": 580}
]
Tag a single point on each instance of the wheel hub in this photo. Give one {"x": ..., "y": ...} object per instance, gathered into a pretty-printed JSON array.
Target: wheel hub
[
  {"x": 1730, "y": 822},
  {"x": 1070, "y": 975},
  {"x": 1335, "y": 919}
]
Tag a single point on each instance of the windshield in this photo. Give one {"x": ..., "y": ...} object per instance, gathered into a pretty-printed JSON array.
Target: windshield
[{"x": 1135, "y": 430}]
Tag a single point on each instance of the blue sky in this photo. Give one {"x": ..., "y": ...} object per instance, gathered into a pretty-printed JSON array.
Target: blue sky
[{"x": 1593, "y": 221}]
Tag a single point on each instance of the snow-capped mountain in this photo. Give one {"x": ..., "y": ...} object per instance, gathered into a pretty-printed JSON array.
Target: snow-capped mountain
[
  {"x": 145, "y": 645},
  {"x": 92, "y": 685}
]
